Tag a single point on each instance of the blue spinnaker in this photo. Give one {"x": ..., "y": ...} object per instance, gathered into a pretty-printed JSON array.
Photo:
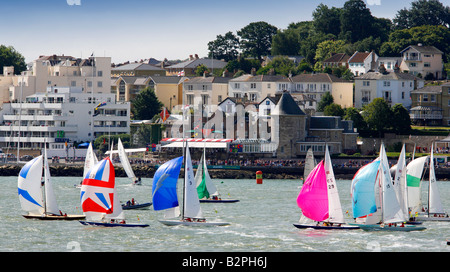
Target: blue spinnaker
[
  {"x": 363, "y": 190},
  {"x": 164, "y": 190}
]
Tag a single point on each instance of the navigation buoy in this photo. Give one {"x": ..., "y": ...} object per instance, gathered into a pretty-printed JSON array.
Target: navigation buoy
[{"x": 259, "y": 177}]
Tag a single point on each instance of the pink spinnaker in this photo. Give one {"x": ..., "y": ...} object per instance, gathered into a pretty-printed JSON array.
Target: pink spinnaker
[{"x": 313, "y": 197}]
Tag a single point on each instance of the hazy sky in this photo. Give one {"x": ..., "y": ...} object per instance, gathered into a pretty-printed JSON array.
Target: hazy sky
[{"x": 137, "y": 29}]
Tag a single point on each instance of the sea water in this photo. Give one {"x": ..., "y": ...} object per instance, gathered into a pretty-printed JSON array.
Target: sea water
[{"x": 261, "y": 222}]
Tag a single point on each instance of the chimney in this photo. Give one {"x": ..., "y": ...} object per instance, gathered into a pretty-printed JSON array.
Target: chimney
[
  {"x": 191, "y": 57},
  {"x": 196, "y": 56},
  {"x": 253, "y": 71}
]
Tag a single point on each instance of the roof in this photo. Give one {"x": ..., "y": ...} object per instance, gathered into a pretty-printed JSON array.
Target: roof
[
  {"x": 423, "y": 49},
  {"x": 260, "y": 78},
  {"x": 137, "y": 66},
  {"x": 331, "y": 122},
  {"x": 434, "y": 89},
  {"x": 358, "y": 57},
  {"x": 167, "y": 79},
  {"x": 338, "y": 57},
  {"x": 320, "y": 77},
  {"x": 387, "y": 76},
  {"x": 287, "y": 106},
  {"x": 210, "y": 63},
  {"x": 210, "y": 79}
]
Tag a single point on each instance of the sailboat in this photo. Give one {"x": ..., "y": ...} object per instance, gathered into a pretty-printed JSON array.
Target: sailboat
[
  {"x": 40, "y": 203},
  {"x": 164, "y": 194},
  {"x": 435, "y": 211},
  {"x": 126, "y": 164},
  {"x": 99, "y": 198},
  {"x": 374, "y": 199},
  {"x": 319, "y": 199},
  {"x": 207, "y": 191}
]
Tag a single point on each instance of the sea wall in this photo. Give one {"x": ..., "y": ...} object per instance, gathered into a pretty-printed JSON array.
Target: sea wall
[{"x": 244, "y": 172}]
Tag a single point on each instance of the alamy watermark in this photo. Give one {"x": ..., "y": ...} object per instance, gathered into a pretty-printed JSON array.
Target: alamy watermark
[{"x": 73, "y": 2}]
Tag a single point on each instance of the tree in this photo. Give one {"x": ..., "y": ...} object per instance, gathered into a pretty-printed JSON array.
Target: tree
[
  {"x": 354, "y": 115},
  {"x": 423, "y": 12},
  {"x": 285, "y": 43},
  {"x": 326, "y": 48},
  {"x": 201, "y": 69},
  {"x": 333, "y": 110},
  {"x": 378, "y": 115},
  {"x": 326, "y": 100},
  {"x": 327, "y": 20},
  {"x": 145, "y": 105},
  {"x": 224, "y": 47},
  {"x": 282, "y": 65},
  {"x": 401, "y": 121},
  {"x": 10, "y": 57},
  {"x": 356, "y": 21},
  {"x": 256, "y": 39}
]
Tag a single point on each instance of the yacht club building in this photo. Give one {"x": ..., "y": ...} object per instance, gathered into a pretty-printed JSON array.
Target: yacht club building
[{"x": 61, "y": 116}]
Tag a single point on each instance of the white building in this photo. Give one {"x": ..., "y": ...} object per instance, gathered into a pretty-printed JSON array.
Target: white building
[
  {"x": 61, "y": 115},
  {"x": 394, "y": 87},
  {"x": 257, "y": 87},
  {"x": 362, "y": 62},
  {"x": 91, "y": 75}
]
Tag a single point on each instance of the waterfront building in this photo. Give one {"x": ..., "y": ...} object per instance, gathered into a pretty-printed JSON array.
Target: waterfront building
[
  {"x": 60, "y": 117},
  {"x": 189, "y": 67},
  {"x": 362, "y": 62},
  {"x": 336, "y": 60},
  {"x": 91, "y": 75},
  {"x": 314, "y": 86},
  {"x": 256, "y": 87},
  {"x": 431, "y": 105},
  {"x": 394, "y": 87},
  {"x": 168, "y": 89},
  {"x": 137, "y": 69},
  {"x": 208, "y": 91},
  {"x": 422, "y": 60}
]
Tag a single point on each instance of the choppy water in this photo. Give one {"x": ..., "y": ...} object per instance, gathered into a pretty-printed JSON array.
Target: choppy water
[{"x": 260, "y": 222}]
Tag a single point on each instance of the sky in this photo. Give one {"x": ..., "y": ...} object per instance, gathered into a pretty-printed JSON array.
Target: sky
[{"x": 130, "y": 30}]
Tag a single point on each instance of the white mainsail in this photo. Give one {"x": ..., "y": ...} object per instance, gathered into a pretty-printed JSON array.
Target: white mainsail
[
  {"x": 310, "y": 163},
  {"x": 51, "y": 205},
  {"x": 334, "y": 203},
  {"x": 125, "y": 162},
  {"x": 29, "y": 187},
  {"x": 434, "y": 199},
  {"x": 90, "y": 160},
  {"x": 191, "y": 202},
  {"x": 400, "y": 185},
  {"x": 414, "y": 171},
  {"x": 390, "y": 207}
]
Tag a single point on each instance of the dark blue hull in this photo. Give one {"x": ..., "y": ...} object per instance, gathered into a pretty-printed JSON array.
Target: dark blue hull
[
  {"x": 142, "y": 206},
  {"x": 342, "y": 227},
  {"x": 101, "y": 224}
]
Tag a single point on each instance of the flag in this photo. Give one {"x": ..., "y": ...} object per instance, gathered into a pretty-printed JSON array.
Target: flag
[
  {"x": 164, "y": 114},
  {"x": 181, "y": 73}
]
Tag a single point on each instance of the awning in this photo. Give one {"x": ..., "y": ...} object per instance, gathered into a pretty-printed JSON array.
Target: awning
[{"x": 196, "y": 143}]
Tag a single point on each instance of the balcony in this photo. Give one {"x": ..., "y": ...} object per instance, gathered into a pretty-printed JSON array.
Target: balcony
[{"x": 426, "y": 113}]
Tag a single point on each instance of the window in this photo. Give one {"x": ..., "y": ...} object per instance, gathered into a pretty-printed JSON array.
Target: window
[
  {"x": 204, "y": 87},
  {"x": 190, "y": 87},
  {"x": 403, "y": 84},
  {"x": 252, "y": 85},
  {"x": 386, "y": 83},
  {"x": 73, "y": 83},
  {"x": 268, "y": 85},
  {"x": 99, "y": 73},
  {"x": 99, "y": 84},
  {"x": 433, "y": 98},
  {"x": 366, "y": 83},
  {"x": 426, "y": 64},
  {"x": 237, "y": 85},
  {"x": 403, "y": 95},
  {"x": 89, "y": 84},
  {"x": 219, "y": 98},
  {"x": 425, "y": 98},
  {"x": 412, "y": 64}
]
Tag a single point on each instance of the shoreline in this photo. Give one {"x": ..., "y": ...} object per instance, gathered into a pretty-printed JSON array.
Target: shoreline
[{"x": 216, "y": 172}]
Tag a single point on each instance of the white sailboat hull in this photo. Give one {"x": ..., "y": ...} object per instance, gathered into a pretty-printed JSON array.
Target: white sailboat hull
[{"x": 190, "y": 223}]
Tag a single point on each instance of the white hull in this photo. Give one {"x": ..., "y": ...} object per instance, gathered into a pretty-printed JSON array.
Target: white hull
[{"x": 195, "y": 224}]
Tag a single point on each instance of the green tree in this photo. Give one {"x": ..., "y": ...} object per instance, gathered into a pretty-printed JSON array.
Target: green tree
[
  {"x": 401, "y": 121},
  {"x": 286, "y": 42},
  {"x": 282, "y": 65},
  {"x": 201, "y": 69},
  {"x": 423, "y": 12},
  {"x": 10, "y": 57},
  {"x": 326, "y": 100},
  {"x": 378, "y": 116},
  {"x": 256, "y": 39},
  {"x": 334, "y": 110},
  {"x": 327, "y": 20},
  {"x": 354, "y": 115},
  {"x": 356, "y": 21},
  {"x": 224, "y": 47},
  {"x": 326, "y": 48},
  {"x": 145, "y": 105}
]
